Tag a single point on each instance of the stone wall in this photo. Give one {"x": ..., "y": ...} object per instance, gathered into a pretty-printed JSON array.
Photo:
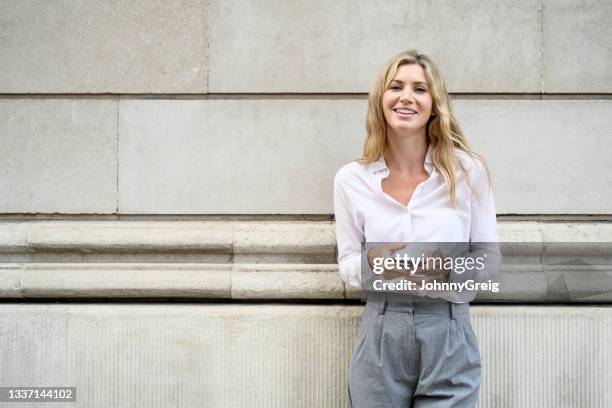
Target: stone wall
[{"x": 166, "y": 236}]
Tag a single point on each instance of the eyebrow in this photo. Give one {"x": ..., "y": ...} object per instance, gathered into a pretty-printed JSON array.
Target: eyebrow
[{"x": 415, "y": 83}]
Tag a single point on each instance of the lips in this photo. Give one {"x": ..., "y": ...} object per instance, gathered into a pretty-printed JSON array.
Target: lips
[{"x": 405, "y": 112}]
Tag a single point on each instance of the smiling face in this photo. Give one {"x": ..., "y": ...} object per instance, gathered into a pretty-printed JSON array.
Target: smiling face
[{"x": 407, "y": 103}]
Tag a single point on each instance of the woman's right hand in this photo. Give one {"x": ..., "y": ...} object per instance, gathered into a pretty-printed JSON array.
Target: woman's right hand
[
  {"x": 387, "y": 251},
  {"x": 415, "y": 276}
]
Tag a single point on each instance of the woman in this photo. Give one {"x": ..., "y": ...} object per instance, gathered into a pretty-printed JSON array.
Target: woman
[{"x": 417, "y": 181}]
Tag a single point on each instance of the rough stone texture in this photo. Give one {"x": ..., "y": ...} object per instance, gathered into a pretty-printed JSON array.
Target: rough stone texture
[
  {"x": 322, "y": 46},
  {"x": 195, "y": 156},
  {"x": 284, "y": 355},
  {"x": 89, "y": 46},
  {"x": 284, "y": 282},
  {"x": 60, "y": 155},
  {"x": 576, "y": 46},
  {"x": 248, "y": 156},
  {"x": 546, "y": 156}
]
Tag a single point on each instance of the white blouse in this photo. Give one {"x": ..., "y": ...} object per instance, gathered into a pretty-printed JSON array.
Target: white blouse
[{"x": 365, "y": 213}]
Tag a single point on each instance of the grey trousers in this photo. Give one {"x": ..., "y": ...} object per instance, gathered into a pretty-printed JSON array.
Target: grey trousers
[{"x": 414, "y": 354}]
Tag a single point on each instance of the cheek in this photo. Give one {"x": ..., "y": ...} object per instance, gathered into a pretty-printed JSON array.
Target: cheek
[
  {"x": 386, "y": 100},
  {"x": 386, "y": 109}
]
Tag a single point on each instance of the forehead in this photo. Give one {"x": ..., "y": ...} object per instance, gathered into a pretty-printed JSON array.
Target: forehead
[{"x": 408, "y": 73}]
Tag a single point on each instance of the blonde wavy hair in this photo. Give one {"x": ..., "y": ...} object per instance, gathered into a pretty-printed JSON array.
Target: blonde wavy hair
[{"x": 443, "y": 131}]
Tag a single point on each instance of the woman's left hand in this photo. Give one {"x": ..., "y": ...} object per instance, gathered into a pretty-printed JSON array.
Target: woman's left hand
[{"x": 434, "y": 273}]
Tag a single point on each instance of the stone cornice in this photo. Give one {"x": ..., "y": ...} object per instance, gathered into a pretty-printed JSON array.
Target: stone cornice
[{"x": 543, "y": 261}]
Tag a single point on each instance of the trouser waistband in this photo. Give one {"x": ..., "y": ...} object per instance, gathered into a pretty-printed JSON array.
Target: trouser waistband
[{"x": 394, "y": 302}]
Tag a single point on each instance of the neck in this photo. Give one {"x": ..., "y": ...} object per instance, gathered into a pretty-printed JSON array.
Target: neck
[{"x": 406, "y": 153}]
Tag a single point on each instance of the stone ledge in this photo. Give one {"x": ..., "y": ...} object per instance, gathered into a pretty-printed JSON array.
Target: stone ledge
[
  {"x": 518, "y": 283},
  {"x": 243, "y": 240},
  {"x": 254, "y": 238},
  {"x": 543, "y": 261}
]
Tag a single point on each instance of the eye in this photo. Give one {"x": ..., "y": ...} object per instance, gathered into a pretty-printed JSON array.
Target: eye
[
  {"x": 395, "y": 87},
  {"x": 421, "y": 90}
]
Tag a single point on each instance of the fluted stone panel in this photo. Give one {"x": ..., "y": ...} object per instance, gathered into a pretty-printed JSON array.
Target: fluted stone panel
[
  {"x": 273, "y": 355},
  {"x": 91, "y": 46}
]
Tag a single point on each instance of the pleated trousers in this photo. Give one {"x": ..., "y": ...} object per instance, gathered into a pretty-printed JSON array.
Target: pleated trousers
[{"x": 411, "y": 353}]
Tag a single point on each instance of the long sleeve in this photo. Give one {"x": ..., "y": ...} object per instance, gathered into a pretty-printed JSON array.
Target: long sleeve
[
  {"x": 483, "y": 239},
  {"x": 483, "y": 225},
  {"x": 349, "y": 235}
]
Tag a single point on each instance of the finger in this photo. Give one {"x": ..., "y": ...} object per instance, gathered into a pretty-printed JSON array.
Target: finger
[
  {"x": 390, "y": 274},
  {"x": 395, "y": 246}
]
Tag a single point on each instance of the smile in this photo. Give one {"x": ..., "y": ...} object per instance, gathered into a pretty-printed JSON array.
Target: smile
[{"x": 405, "y": 113}]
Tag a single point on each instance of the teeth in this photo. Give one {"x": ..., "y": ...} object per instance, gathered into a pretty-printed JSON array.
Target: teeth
[{"x": 406, "y": 111}]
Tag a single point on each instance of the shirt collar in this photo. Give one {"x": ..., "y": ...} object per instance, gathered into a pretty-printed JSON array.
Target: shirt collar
[{"x": 381, "y": 164}]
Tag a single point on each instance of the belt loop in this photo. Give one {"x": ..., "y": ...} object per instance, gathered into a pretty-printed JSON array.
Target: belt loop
[
  {"x": 382, "y": 305},
  {"x": 453, "y": 311}
]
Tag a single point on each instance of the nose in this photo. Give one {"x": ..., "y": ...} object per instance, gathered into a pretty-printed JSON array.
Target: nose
[{"x": 407, "y": 96}]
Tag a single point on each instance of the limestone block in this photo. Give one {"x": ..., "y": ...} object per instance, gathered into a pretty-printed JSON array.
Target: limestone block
[
  {"x": 310, "y": 242},
  {"x": 322, "y": 46},
  {"x": 242, "y": 156},
  {"x": 305, "y": 141},
  {"x": 576, "y": 46},
  {"x": 546, "y": 156},
  {"x": 61, "y": 155},
  {"x": 286, "y": 281},
  {"x": 89, "y": 46}
]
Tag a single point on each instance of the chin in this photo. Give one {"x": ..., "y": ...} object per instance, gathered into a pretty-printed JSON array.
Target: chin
[{"x": 409, "y": 127}]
